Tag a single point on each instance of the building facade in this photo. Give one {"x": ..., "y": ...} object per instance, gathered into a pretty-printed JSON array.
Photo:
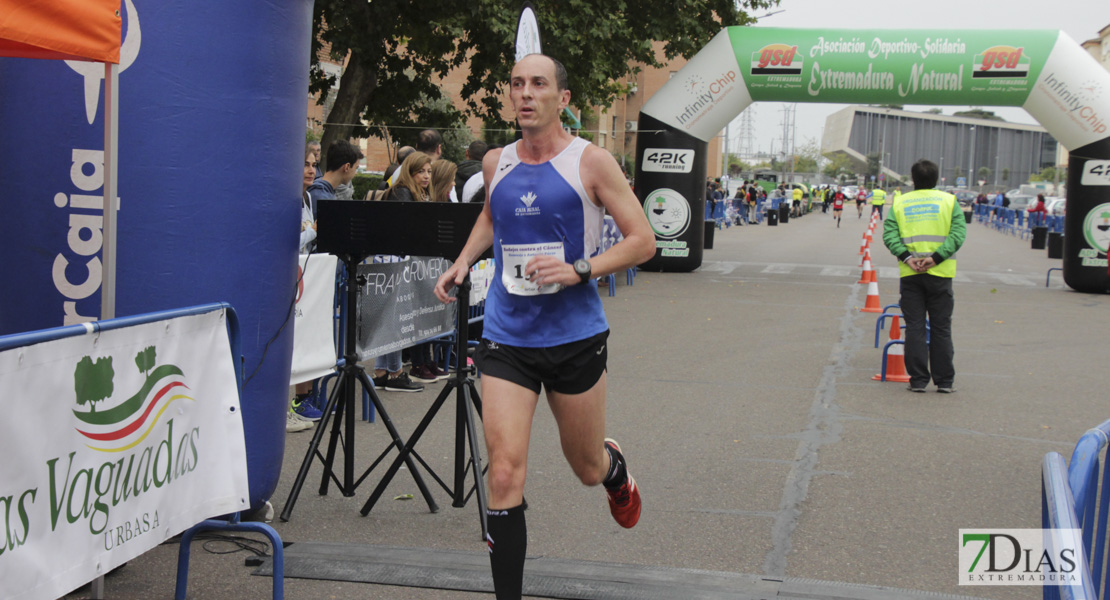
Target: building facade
[{"x": 1010, "y": 152}]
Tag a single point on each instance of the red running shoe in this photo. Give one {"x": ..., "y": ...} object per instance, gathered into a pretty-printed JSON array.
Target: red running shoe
[{"x": 624, "y": 502}]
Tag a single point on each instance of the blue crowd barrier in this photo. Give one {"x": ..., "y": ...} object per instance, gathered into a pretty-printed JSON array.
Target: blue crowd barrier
[
  {"x": 1058, "y": 512},
  {"x": 1080, "y": 502}
]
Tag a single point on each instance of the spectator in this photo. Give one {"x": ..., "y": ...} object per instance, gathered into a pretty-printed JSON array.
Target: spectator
[
  {"x": 470, "y": 167},
  {"x": 342, "y": 160},
  {"x": 1038, "y": 207},
  {"x": 413, "y": 181},
  {"x": 444, "y": 178},
  {"x": 402, "y": 153},
  {"x": 430, "y": 142},
  {"x": 302, "y": 413},
  {"x": 314, "y": 147}
]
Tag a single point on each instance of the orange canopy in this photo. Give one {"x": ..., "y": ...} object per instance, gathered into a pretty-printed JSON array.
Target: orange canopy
[{"x": 61, "y": 29}]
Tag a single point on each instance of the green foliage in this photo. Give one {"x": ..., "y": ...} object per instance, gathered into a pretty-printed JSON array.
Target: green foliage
[
  {"x": 399, "y": 49},
  {"x": 839, "y": 164},
  {"x": 1049, "y": 174},
  {"x": 364, "y": 182},
  {"x": 934, "y": 111},
  {"x": 92, "y": 382},
  {"x": 310, "y": 136},
  {"x": 873, "y": 164},
  {"x": 145, "y": 359},
  {"x": 979, "y": 113},
  {"x": 1005, "y": 175},
  {"x": 984, "y": 173},
  {"x": 957, "y": 172}
]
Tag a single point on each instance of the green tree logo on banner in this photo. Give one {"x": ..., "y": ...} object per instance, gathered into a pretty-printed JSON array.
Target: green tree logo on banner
[{"x": 92, "y": 382}]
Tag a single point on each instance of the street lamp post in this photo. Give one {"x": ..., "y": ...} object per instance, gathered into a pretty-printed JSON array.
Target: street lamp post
[{"x": 971, "y": 159}]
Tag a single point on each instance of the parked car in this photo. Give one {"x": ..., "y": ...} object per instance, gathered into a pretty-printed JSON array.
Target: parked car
[
  {"x": 1056, "y": 206},
  {"x": 1020, "y": 201},
  {"x": 850, "y": 191},
  {"x": 964, "y": 197}
]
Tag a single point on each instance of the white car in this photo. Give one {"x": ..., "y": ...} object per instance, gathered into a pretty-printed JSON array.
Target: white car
[{"x": 1056, "y": 206}]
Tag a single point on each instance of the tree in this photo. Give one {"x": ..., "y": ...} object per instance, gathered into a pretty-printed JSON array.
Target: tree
[
  {"x": 1005, "y": 174},
  {"x": 984, "y": 174},
  {"x": 396, "y": 51},
  {"x": 807, "y": 157},
  {"x": 934, "y": 111},
  {"x": 838, "y": 164},
  {"x": 145, "y": 360},
  {"x": 873, "y": 164},
  {"x": 957, "y": 172},
  {"x": 978, "y": 113},
  {"x": 92, "y": 382}
]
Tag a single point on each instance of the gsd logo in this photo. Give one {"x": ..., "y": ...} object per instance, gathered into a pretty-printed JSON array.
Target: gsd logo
[
  {"x": 1001, "y": 61},
  {"x": 777, "y": 59}
]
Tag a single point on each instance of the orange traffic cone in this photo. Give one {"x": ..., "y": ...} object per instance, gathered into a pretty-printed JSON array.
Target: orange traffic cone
[
  {"x": 872, "y": 305},
  {"x": 868, "y": 271},
  {"x": 895, "y": 357},
  {"x": 866, "y": 256},
  {"x": 863, "y": 244}
]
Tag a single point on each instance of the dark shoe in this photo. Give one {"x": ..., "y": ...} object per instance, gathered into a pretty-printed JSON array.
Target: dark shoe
[
  {"x": 379, "y": 382},
  {"x": 402, "y": 383},
  {"x": 439, "y": 373},
  {"x": 918, "y": 390},
  {"x": 946, "y": 390},
  {"x": 422, "y": 374},
  {"x": 624, "y": 502}
]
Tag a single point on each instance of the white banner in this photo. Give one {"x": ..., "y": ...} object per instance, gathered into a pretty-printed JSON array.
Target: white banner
[
  {"x": 711, "y": 93},
  {"x": 313, "y": 319},
  {"x": 115, "y": 441},
  {"x": 1070, "y": 97}
]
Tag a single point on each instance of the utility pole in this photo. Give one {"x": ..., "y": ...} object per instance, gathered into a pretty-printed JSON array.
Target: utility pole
[{"x": 971, "y": 159}]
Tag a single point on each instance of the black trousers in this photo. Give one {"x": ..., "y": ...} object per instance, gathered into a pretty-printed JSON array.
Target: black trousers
[{"x": 928, "y": 296}]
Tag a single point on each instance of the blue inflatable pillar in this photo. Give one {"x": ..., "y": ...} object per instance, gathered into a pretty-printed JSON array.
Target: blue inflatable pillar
[{"x": 211, "y": 139}]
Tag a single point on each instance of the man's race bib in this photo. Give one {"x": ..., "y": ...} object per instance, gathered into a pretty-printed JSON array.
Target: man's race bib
[{"x": 516, "y": 256}]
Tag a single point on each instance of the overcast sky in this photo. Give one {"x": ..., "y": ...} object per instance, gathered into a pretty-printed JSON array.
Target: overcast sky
[{"x": 1080, "y": 19}]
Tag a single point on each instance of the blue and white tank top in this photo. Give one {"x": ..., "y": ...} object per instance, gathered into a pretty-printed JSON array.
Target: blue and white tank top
[{"x": 542, "y": 209}]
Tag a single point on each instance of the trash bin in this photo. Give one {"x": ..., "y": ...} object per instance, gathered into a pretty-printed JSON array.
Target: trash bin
[
  {"x": 710, "y": 229},
  {"x": 784, "y": 212},
  {"x": 1055, "y": 245},
  {"x": 967, "y": 216},
  {"x": 772, "y": 217},
  {"x": 1040, "y": 235}
]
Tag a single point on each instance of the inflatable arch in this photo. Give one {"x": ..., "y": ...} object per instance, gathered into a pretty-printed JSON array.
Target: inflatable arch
[
  {"x": 211, "y": 138},
  {"x": 1045, "y": 72}
]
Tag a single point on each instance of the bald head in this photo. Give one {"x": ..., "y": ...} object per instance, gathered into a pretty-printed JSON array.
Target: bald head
[{"x": 558, "y": 72}]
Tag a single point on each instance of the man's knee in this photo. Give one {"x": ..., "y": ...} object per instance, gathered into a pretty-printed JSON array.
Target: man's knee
[{"x": 505, "y": 476}]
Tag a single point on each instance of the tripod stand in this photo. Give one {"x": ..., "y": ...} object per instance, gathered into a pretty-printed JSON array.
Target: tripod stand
[
  {"x": 342, "y": 401},
  {"x": 465, "y": 392}
]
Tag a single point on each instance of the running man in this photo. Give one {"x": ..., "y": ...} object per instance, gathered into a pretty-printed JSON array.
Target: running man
[
  {"x": 861, "y": 198},
  {"x": 544, "y": 323},
  {"x": 838, "y": 205}
]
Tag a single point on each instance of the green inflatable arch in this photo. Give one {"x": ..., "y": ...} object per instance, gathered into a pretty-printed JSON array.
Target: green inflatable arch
[{"x": 1043, "y": 71}]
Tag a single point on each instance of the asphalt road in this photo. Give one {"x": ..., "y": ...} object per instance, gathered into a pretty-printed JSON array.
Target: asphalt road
[{"x": 742, "y": 395}]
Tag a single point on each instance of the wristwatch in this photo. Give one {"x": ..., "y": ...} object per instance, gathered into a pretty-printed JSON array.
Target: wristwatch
[{"x": 583, "y": 268}]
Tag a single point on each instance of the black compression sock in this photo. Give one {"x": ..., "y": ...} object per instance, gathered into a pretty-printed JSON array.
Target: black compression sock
[
  {"x": 617, "y": 474},
  {"x": 508, "y": 543}
]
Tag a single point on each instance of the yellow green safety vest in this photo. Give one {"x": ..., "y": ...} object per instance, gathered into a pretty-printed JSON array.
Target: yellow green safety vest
[
  {"x": 878, "y": 197},
  {"x": 924, "y": 219}
]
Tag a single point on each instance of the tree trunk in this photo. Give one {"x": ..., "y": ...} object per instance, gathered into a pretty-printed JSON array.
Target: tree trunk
[{"x": 355, "y": 87}]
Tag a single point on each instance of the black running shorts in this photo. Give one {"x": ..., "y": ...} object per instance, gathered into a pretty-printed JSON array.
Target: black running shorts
[{"x": 571, "y": 368}]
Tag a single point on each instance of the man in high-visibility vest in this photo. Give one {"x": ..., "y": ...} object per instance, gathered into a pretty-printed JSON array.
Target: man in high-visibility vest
[
  {"x": 878, "y": 199},
  {"x": 926, "y": 229}
]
